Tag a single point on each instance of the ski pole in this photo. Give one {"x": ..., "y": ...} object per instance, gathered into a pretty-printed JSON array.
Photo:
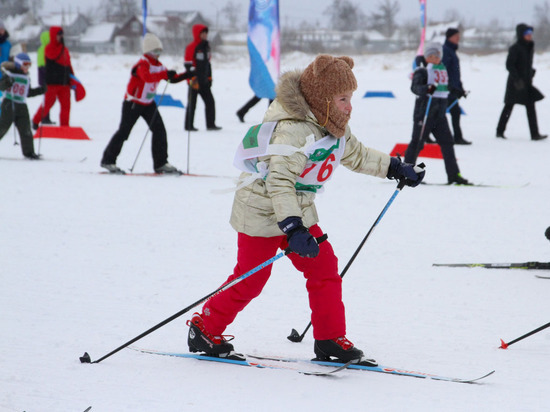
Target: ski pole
[
  {"x": 294, "y": 336},
  {"x": 149, "y": 127},
  {"x": 187, "y": 116},
  {"x": 86, "y": 357},
  {"x": 452, "y": 105},
  {"x": 425, "y": 118},
  {"x": 505, "y": 345}
]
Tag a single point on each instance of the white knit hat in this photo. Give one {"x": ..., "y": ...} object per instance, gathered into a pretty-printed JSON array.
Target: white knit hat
[
  {"x": 150, "y": 43},
  {"x": 433, "y": 49}
]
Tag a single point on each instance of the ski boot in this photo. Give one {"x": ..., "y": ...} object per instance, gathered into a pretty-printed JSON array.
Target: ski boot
[
  {"x": 200, "y": 340},
  {"x": 168, "y": 169},
  {"x": 341, "y": 349},
  {"x": 112, "y": 168},
  {"x": 459, "y": 180}
]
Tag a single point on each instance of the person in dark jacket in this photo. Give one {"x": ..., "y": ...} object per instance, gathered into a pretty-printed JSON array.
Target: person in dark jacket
[
  {"x": 519, "y": 86},
  {"x": 197, "y": 57},
  {"x": 16, "y": 85},
  {"x": 456, "y": 90},
  {"x": 430, "y": 86},
  {"x": 58, "y": 79}
]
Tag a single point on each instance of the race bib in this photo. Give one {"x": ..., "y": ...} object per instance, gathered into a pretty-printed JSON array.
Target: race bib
[
  {"x": 323, "y": 156},
  {"x": 19, "y": 89}
]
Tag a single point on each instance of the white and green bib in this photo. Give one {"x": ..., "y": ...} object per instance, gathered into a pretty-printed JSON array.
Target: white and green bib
[
  {"x": 437, "y": 73},
  {"x": 323, "y": 157},
  {"x": 19, "y": 89}
]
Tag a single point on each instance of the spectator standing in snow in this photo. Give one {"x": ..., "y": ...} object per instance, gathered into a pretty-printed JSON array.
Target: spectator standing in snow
[
  {"x": 197, "y": 58},
  {"x": 519, "y": 86},
  {"x": 308, "y": 124},
  {"x": 249, "y": 105},
  {"x": 139, "y": 101},
  {"x": 41, "y": 66},
  {"x": 58, "y": 79},
  {"x": 456, "y": 90},
  {"x": 430, "y": 86},
  {"x": 16, "y": 85}
]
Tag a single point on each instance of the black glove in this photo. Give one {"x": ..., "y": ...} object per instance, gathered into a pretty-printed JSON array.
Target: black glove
[
  {"x": 412, "y": 174},
  {"x": 181, "y": 76},
  {"x": 299, "y": 239},
  {"x": 431, "y": 88},
  {"x": 171, "y": 74},
  {"x": 458, "y": 92}
]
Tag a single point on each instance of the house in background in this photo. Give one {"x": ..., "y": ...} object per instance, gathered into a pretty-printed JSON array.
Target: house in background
[
  {"x": 173, "y": 28},
  {"x": 74, "y": 25},
  {"x": 98, "y": 38}
]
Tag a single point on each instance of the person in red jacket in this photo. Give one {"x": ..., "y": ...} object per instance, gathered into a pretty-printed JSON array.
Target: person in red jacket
[
  {"x": 197, "y": 56},
  {"x": 139, "y": 102},
  {"x": 58, "y": 80}
]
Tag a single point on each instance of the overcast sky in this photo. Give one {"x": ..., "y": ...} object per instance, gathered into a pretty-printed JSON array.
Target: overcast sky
[{"x": 508, "y": 12}]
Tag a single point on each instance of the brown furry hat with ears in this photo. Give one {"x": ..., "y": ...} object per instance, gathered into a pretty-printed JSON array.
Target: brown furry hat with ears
[{"x": 326, "y": 77}]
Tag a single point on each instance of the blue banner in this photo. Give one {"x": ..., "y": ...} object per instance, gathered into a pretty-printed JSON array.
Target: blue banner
[
  {"x": 264, "y": 46},
  {"x": 144, "y": 7}
]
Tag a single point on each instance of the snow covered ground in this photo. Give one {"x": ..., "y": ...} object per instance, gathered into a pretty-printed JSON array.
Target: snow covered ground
[{"x": 89, "y": 261}]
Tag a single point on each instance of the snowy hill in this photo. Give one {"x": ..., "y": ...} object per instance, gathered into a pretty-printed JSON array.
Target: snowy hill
[{"x": 90, "y": 261}]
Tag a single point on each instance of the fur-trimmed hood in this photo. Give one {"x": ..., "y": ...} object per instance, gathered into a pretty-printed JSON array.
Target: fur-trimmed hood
[{"x": 290, "y": 103}]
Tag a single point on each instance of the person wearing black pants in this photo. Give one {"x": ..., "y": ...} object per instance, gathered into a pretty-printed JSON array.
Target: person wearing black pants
[
  {"x": 131, "y": 112},
  {"x": 249, "y": 105},
  {"x": 456, "y": 90},
  {"x": 197, "y": 57},
  {"x": 519, "y": 86},
  {"x": 139, "y": 101},
  {"x": 209, "y": 107},
  {"x": 430, "y": 91}
]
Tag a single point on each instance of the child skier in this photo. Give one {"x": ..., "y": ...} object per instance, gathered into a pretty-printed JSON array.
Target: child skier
[
  {"x": 304, "y": 137},
  {"x": 139, "y": 102},
  {"x": 16, "y": 84},
  {"x": 430, "y": 85}
]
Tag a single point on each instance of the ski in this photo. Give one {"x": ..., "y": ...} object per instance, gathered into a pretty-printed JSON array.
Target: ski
[
  {"x": 524, "y": 265},
  {"x": 266, "y": 362},
  {"x": 477, "y": 185},
  {"x": 260, "y": 363},
  {"x": 380, "y": 369}
]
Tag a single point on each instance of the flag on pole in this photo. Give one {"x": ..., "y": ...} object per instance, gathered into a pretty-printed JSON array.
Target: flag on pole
[
  {"x": 264, "y": 46},
  {"x": 144, "y": 7},
  {"x": 423, "y": 22}
]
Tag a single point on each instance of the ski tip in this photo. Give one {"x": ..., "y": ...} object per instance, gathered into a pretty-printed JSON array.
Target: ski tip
[
  {"x": 503, "y": 345},
  {"x": 85, "y": 358}
]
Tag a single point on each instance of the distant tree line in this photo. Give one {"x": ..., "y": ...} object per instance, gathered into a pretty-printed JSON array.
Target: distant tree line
[{"x": 342, "y": 16}]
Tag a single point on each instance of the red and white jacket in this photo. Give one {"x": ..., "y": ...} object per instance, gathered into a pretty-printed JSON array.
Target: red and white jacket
[{"x": 146, "y": 75}]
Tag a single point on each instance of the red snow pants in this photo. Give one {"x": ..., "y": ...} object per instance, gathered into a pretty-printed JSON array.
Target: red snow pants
[
  {"x": 323, "y": 283},
  {"x": 53, "y": 93}
]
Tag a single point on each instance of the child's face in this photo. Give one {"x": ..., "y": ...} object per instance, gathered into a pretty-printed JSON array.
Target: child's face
[
  {"x": 343, "y": 102},
  {"x": 25, "y": 67},
  {"x": 433, "y": 58}
]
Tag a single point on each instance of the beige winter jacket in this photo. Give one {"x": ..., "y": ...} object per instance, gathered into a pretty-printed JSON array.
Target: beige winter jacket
[{"x": 259, "y": 206}]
